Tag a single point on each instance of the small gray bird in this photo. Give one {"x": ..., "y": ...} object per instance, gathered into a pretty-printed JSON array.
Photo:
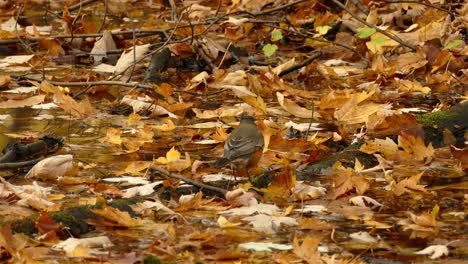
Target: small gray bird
[{"x": 244, "y": 147}]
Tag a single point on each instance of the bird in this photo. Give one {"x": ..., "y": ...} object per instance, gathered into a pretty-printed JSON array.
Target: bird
[{"x": 244, "y": 147}]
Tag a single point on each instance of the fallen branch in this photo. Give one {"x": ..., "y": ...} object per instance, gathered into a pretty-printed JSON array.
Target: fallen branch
[
  {"x": 315, "y": 55},
  {"x": 77, "y": 6},
  {"x": 395, "y": 38},
  {"x": 117, "y": 83},
  {"x": 17, "y": 165},
  {"x": 185, "y": 179},
  {"x": 421, "y": 3}
]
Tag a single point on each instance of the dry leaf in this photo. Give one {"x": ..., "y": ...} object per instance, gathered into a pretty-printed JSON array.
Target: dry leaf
[
  {"x": 52, "y": 167},
  {"x": 308, "y": 250},
  {"x": 292, "y": 107}
]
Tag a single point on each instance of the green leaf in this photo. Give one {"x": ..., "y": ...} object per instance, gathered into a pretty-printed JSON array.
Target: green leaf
[
  {"x": 269, "y": 49},
  {"x": 322, "y": 30},
  {"x": 276, "y": 35},
  {"x": 365, "y": 32},
  {"x": 453, "y": 44},
  {"x": 378, "y": 41}
]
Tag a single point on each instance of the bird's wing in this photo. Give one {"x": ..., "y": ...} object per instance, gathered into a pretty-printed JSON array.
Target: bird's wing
[{"x": 238, "y": 146}]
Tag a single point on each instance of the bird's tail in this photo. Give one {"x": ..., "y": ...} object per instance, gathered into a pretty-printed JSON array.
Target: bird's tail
[{"x": 220, "y": 163}]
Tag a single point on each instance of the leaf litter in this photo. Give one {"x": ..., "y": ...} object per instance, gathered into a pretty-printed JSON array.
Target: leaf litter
[{"x": 365, "y": 145}]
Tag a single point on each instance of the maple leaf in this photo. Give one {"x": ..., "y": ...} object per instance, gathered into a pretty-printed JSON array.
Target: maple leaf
[
  {"x": 292, "y": 107},
  {"x": 415, "y": 147},
  {"x": 346, "y": 180},
  {"x": 173, "y": 160},
  {"x": 308, "y": 250},
  {"x": 220, "y": 134},
  {"x": 282, "y": 184},
  {"x": 196, "y": 201},
  {"x": 408, "y": 185},
  {"x": 113, "y": 136},
  {"x": 13, "y": 244},
  {"x": 114, "y": 217}
]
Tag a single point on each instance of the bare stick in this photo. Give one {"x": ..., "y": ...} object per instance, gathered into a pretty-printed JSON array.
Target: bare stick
[
  {"x": 117, "y": 83},
  {"x": 421, "y": 3},
  {"x": 16, "y": 165},
  {"x": 317, "y": 53},
  {"x": 77, "y": 6},
  {"x": 395, "y": 38},
  {"x": 103, "y": 23},
  {"x": 185, "y": 179}
]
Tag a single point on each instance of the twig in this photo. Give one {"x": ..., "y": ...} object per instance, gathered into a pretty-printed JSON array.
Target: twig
[
  {"x": 77, "y": 6},
  {"x": 309, "y": 36},
  {"x": 317, "y": 53},
  {"x": 103, "y": 23},
  {"x": 140, "y": 33},
  {"x": 25, "y": 45},
  {"x": 278, "y": 8},
  {"x": 16, "y": 165},
  {"x": 185, "y": 179},
  {"x": 117, "y": 83},
  {"x": 134, "y": 52},
  {"x": 421, "y": 3},
  {"x": 360, "y": 6},
  {"x": 310, "y": 123},
  {"x": 395, "y": 38}
]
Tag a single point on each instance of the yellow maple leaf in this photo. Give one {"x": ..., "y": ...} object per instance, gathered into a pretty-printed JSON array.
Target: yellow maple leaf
[
  {"x": 415, "y": 147},
  {"x": 408, "y": 185},
  {"x": 220, "y": 134},
  {"x": 112, "y": 136}
]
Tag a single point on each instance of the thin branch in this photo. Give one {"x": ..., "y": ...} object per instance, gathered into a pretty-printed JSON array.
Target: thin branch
[
  {"x": 395, "y": 38},
  {"x": 420, "y": 3},
  {"x": 103, "y": 23},
  {"x": 116, "y": 83},
  {"x": 77, "y": 6},
  {"x": 185, "y": 179},
  {"x": 278, "y": 8},
  {"x": 16, "y": 165},
  {"x": 315, "y": 55}
]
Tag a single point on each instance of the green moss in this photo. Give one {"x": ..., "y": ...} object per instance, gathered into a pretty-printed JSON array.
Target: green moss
[
  {"x": 76, "y": 225},
  {"x": 81, "y": 212},
  {"x": 155, "y": 260},
  {"x": 124, "y": 205},
  {"x": 437, "y": 119},
  {"x": 26, "y": 226},
  {"x": 455, "y": 120}
]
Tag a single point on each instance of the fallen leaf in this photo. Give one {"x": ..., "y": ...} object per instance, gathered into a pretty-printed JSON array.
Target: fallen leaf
[
  {"x": 308, "y": 249},
  {"x": 436, "y": 251},
  {"x": 292, "y": 107},
  {"x": 51, "y": 168}
]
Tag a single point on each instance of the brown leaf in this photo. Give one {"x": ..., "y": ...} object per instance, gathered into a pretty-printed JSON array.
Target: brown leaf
[
  {"x": 114, "y": 217},
  {"x": 425, "y": 219},
  {"x": 461, "y": 155},
  {"x": 4, "y": 80},
  {"x": 346, "y": 180},
  {"x": 408, "y": 185},
  {"x": 30, "y": 101},
  {"x": 282, "y": 185},
  {"x": 46, "y": 223},
  {"x": 308, "y": 250}
]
